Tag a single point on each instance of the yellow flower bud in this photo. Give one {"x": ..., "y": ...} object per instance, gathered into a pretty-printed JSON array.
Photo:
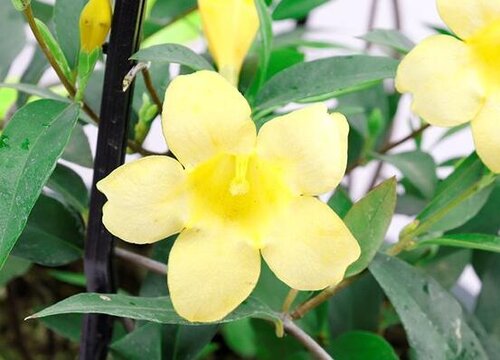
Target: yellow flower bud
[
  {"x": 230, "y": 27},
  {"x": 95, "y": 21}
]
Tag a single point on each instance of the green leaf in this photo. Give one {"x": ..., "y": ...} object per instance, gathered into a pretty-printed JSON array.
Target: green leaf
[
  {"x": 29, "y": 148},
  {"x": 266, "y": 43},
  {"x": 66, "y": 21},
  {"x": 295, "y": 9},
  {"x": 340, "y": 202},
  {"x": 68, "y": 277},
  {"x": 145, "y": 342},
  {"x": 470, "y": 241},
  {"x": 55, "y": 49},
  {"x": 12, "y": 37},
  {"x": 173, "y": 53},
  {"x": 70, "y": 186},
  {"x": 241, "y": 338},
  {"x": 488, "y": 303},
  {"x": 323, "y": 79},
  {"x": 349, "y": 310},
  {"x": 158, "y": 309},
  {"x": 434, "y": 321},
  {"x": 362, "y": 345},
  {"x": 416, "y": 166},
  {"x": 78, "y": 149},
  {"x": 390, "y": 38},
  {"x": 369, "y": 220},
  {"x": 14, "y": 267},
  {"x": 52, "y": 236},
  {"x": 458, "y": 198},
  {"x": 36, "y": 91},
  {"x": 447, "y": 265},
  {"x": 67, "y": 325}
]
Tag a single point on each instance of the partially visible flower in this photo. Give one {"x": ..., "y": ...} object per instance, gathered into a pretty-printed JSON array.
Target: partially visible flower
[
  {"x": 454, "y": 81},
  {"x": 230, "y": 27},
  {"x": 95, "y": 21},
  {"x": 233, "y": 196}
]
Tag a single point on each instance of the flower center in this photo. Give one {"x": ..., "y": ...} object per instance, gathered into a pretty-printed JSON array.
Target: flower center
[
  {"x": 241, "y": 190},
  {"x": 486, "y": 51}
]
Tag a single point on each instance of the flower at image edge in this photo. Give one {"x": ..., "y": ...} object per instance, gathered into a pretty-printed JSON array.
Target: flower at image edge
[
  {"x": 455, "y": 81},
  {"x": 236, "y": 196}
]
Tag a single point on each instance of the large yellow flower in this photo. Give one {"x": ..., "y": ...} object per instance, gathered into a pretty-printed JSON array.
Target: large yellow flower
[
  {"x": 454, "y": 81},
  {"x": 235, "y": 196}
]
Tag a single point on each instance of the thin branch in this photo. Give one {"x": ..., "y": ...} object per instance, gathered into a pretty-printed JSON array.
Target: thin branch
[
  {"x": 309, "y": 343},
  {"x": 330, "y": 291},
  {"x": 371, "y": 21},
  {"x": 150, "y": 264},
  {"x": 290, "y": 298},
  {"x": 391, "y": 146},
  {"x": 151, "y": 89}
]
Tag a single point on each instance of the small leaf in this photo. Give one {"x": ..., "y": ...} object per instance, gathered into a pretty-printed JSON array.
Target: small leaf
[
  {"x": 362, "y": 345},
  {"x": 173, "y": 53},
  {"x": 36, "y": 91},
  {"x": 78, "y": 149},
  {"x": 434, "y": 321},
  {"x": 369, "y": 220},
  {"x": 470, "y": 241},
  {"x": 55, "y": 49},
  {"x": 68, "y": 277},
  {"x": 29, "y": 148},
  {"x": 68, "y": 184},
  {"x": 390, "y": 38},
  {"x": 458, "y": 198},
  {"x": 144, "y": 342},
  {"x": 14, "y": 267},
  {"x": 155, "y": 309},
  {"x": 295, "y": 9},
  {"x": 488, "y": 303},
  {"x": 322, "y": 79},
  {"x": 416, "y": 166},
  {"x": 340, "y": 202},
  {"x": 52, "y": 236},
  {"x": 66, "y": 19},
  {"x": 266, "y": 43},
  {"x": 12, "y": 37}
]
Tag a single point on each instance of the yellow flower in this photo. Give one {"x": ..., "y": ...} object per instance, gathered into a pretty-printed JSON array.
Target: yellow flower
[
  {"x": 454, "y": 81},
  {"x": 230, "y": 27},
  {"x": 95, "y": 21},
  {"x": 235, "y": 196}
]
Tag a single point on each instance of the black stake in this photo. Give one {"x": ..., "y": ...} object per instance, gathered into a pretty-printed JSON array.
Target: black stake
[{"x": 110, "y": 153}]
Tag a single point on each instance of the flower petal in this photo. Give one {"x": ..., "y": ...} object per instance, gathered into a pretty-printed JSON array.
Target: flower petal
[
  {"x": 440, "y": 74},
  {"x": 309, "y": 247},
  {"x": 146, "y": 201},
  {"x": 486, "y": 132},
  {"x": 465, "y": 17},
  {"x": 310, "y": 144},
  {"x": 211, "y": 270},
  {"x": 204, "y": 115}
]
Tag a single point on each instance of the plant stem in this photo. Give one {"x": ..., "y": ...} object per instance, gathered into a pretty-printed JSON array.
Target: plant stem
[
  {"x": 309, "y": 343},
  {"x": 151, "y": 89},
  {"x": 290, "y": 298},
  {"x": 310, "y": 304},
  {"x": 150, "y": 264}
]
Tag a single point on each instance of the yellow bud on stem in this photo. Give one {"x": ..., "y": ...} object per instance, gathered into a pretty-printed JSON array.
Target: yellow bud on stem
[{"x": 95, "y": 21}]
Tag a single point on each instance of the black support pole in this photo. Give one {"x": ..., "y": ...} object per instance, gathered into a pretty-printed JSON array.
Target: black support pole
[{"x": 110, "y": 153}]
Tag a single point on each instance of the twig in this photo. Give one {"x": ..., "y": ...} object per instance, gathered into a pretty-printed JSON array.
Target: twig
[
  {"x": 391, "y": 146},
  {"x": 150, "y": 264},
  {"x": 310, "y": 304},
  {"x": 371, "y": 21},
  {"x": 151, "y": 89},
  {"x": 290, "y": 298},
  {"x": 309, "y": 343}
]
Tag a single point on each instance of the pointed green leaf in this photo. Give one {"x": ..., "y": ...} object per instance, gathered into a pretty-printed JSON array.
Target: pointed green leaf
[
  {"x": 323, "y": 79},
  {"x": 66, "y": 21},
  {"x": 362, "y": 345},
  {"x": 390, "y": 38},
  {"x": 173, "y": 53},
  {"x": 369, "y": 220},
  {"x": 470, "y": 241},
  {"x": 155, "y": 309},
  {"x": 30, "y": 146},
  {"x": 433, "y": 319}
]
